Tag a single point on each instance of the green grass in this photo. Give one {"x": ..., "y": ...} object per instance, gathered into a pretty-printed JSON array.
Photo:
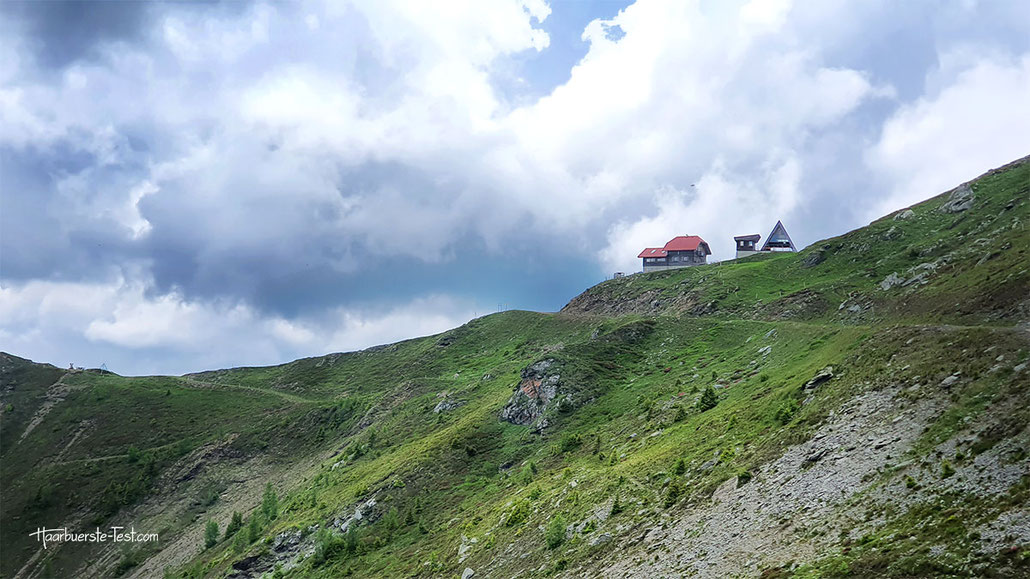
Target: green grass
[{"x": 337, "y": 430}]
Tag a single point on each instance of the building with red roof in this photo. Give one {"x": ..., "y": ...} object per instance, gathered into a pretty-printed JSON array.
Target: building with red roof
[{"x": 680, "y": 251}]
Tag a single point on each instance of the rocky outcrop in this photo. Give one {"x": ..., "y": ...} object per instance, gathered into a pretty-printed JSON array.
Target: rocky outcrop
[
  {"x": 960, "y": 200},
  {"x": 537, "y": 388},
  {"x": 823, "y": 376}
]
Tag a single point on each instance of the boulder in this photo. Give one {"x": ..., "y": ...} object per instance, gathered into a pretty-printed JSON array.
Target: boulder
[
  {"x": 960, "y": 200},
  {"x": 447, "y": 404},
  {"x": 891, "y": 281},
  {"x": 906, "y": 214},
  {"x": 823, "y": 376},
  {"x": 813, "y": 259}
]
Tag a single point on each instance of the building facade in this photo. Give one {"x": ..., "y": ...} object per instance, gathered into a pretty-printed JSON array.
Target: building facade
[
  {"x": 681, "y": 251},
  {"x": 747, "y": 244},
  {"x": 778, "y": 240}
]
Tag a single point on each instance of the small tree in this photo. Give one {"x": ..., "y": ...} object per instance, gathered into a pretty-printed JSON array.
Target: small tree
[
  {"x": 234, "y": 525},
  {"x": 210, "y": 534},
  {"x": 709, "y": 399},
  {"x": 270, "y": 503},
  {"x": 351, "y": 540},
  {"x": 616, "y": 506},
  {"x": 555, "y": 533},
  {"x": 672, "y": 494},
  {"x": 253, "y": 528}
]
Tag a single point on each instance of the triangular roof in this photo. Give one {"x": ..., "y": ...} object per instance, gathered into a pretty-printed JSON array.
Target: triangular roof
[
  {"x": 686, "y": 243},
  {"x": 778, "y": 235}
]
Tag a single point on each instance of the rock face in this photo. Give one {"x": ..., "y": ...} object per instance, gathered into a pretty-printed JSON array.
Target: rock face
[
  {"x": 538, "y": 387},
  {"x": 960, "y": 200},
  {"x": 824, "y": 375}
]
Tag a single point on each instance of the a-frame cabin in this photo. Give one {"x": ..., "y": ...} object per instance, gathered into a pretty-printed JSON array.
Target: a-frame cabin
[{"x": 778, "y": 240}]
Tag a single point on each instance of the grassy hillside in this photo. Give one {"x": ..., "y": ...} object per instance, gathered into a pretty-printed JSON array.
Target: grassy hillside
[{"x": 857, "y": 409}]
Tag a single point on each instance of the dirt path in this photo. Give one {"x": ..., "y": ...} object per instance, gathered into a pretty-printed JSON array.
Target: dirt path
[
  {"x": 55, "y": 394},
  {"x": 194, "y": 383}
]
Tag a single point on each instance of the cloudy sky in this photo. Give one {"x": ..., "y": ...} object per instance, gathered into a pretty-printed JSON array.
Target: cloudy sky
[{"x": 198, "y": 185}]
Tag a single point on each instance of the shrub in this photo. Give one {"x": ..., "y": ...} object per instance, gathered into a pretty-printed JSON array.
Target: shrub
[
  {"x": 555, "y": 533},
  {"x": 351, "y": 540},
  {"x": 786, "y": 411},
  {"x": 209, "y": 496},
  {"x": 743, "y": 478},
  {"x": 672, "y": 494},
  {"x": 570, "y": 442},
  {"x": 239, "y": 544},
  {"x": 708, "y": 399},
  {"x": 526, "y": 477},
  {"x": 680, "y": 467},
  {"x": 210, "y": 534},
  {"x": 327, "y": 545},
  {"x": 519, "y": 513},
  {"x": 235, "y": 524},
  {"x": 392, "y": 519},
  {"x": 946, "y": 469}
]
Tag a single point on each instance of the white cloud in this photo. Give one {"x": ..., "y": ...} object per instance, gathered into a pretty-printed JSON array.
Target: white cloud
[
  {"x": 978, "y": 121},
  {"x": 135, "y": 331},
  {"x": 259, "y": 141}
]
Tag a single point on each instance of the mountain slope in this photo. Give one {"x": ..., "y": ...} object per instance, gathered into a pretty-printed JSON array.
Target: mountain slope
[{"x": 858, "y": 409}]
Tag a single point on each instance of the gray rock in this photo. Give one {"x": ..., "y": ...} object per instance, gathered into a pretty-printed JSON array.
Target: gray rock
[
  {"x": 890, "y": 281},
  {"x": 601, "y": 539},
  {"x": 813, "y": 259},
  {"x": 823, "y": 376},
  {"x": 537, "y": 388},
  {"x": 447, "y": 404},
  {"x": 906, "y": 214},
  {"x": 468, "y": 573},
  {"x": 960, "y": 200}
]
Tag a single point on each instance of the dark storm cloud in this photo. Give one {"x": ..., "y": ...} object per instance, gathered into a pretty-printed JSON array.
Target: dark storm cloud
[{"x": 65, "y": 31}]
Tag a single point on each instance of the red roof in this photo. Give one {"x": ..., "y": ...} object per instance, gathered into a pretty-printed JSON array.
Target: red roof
[
  {"x": 684, "y": 243},
  {"x": 653, "y": 252},
  {"x": 679, "y": 243}
]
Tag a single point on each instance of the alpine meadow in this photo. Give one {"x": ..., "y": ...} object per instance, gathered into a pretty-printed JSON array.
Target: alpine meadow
[{"x": 859, "y": 408}]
